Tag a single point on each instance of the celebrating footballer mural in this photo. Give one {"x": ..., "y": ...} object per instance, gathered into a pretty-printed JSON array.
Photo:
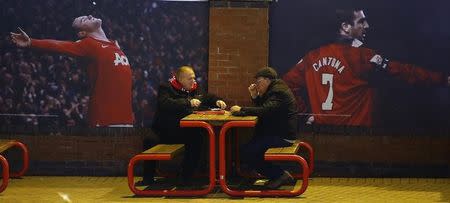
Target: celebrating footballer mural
[{"x": 97, "y": 63}]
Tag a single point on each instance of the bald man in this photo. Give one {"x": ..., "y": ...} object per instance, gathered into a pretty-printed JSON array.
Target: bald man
[
  {"x": 177, "y": 99},
  {"x": 107, "y": 67}
]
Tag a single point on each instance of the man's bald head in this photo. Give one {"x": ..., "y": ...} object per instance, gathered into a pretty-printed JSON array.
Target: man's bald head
[
  {"x": 183, "y": 69},
  {"x": 186, "y": 76}
]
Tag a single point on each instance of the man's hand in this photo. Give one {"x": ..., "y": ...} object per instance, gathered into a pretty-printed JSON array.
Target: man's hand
[
  {"x": 310, "y": 120},
  {"x": 221, "y": 104},
  {"x": 195, "y": 103},
  {"x": 21, "y": 39},
  {"x": 235, "y": 108},
  {"x": 253, "y": 91}
]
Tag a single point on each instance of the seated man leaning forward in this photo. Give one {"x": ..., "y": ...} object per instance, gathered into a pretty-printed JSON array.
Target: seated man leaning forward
[
  {"x": 276, "y": 108},
  {"x": 177, "y": 99}
]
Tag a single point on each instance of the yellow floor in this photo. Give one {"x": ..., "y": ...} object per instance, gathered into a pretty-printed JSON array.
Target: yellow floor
[{"x": 115, "y": 189}]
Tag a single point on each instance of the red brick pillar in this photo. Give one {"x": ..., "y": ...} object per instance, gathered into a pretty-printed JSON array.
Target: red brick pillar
[{"x": 238, "y": 46}]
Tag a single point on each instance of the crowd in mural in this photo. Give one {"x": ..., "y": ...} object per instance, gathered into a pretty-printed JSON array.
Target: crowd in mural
[{"x": 44, "y": 89}]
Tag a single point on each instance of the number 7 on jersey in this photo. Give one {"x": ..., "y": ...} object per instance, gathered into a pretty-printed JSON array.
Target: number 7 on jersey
[{"x": 328, "y": 104}]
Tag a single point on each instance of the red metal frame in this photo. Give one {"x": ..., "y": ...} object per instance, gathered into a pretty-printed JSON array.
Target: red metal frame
[
  {"x": 5, "y": 174},
  {"x": 26, "y": 159},
  {"x": 5, "y": 165},
  {"x": 257, "y": 193},
  {"x": 310, "y": 160},
  {"x": 212, "y": 167},
  {"x": 297, "y": 175}
]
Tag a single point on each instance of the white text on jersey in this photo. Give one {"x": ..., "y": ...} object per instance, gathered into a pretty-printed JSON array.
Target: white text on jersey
[
  {"x": 328, "y": 61},
  {"x": 122, "y": 60}
]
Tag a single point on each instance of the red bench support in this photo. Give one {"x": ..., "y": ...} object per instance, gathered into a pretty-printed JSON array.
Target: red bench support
[
  {"x": 269, "y": 157},
  {"x": 5, "y": 145},
  {"x": 154, "y": 156}
]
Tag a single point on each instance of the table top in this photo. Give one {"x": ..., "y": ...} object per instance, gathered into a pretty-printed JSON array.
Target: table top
[{"x": 218, "y": 120}]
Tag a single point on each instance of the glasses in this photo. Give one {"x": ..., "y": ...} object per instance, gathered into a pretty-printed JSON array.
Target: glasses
[{"x": 259, "y": 81}]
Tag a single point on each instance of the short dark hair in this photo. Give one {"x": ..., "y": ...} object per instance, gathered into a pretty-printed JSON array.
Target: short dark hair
[
  {"x": 346, "y": 15},
  {"x": 267, "y": 72}
]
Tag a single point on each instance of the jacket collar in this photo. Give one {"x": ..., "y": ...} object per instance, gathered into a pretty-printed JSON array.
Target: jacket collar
[
  {"x": 348, "y": 40},
  {"x": 178, "y": 86}
]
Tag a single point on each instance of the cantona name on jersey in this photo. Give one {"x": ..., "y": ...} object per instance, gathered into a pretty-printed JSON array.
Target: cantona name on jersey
[{"x": 328, "y": 61}]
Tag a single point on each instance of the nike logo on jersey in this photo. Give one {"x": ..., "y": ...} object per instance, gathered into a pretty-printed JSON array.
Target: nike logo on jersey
[{"x": 104, "y": 46}]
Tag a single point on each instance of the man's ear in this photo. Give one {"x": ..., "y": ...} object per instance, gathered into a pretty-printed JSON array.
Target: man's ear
[
  {"x": 82, "y": 34},
  {"x": 346, "y": 27}
]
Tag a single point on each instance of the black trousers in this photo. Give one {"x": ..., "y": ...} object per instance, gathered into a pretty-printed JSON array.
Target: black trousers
[
  {"x": 193, "y": 140},
  {"x": 253, "y": 152}
]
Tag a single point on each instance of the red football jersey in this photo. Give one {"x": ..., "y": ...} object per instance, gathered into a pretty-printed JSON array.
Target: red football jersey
[
  {"x": 335, "y": 77},
  {"x": 109, "y": 73}
]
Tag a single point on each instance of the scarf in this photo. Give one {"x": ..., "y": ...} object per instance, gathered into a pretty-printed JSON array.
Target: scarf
[{"x": 178, "y": 86}]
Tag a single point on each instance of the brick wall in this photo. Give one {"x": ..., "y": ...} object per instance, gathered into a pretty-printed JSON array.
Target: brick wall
[
  {"x": 362, "y": 155},
  {"x": 94, "y": 153},
  {"x": 238, "y": 46},
  {"x": 339, "y": 155}
]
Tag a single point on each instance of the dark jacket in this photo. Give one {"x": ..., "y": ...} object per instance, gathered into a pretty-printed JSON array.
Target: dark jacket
[
  {"x": 276, "y": 110},
  {"x": 172, "y": 105}
]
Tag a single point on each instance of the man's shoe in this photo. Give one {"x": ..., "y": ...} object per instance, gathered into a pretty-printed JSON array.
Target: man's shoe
[
  {"x": 143, "y": 183},
  {"x": 283, "y": 179},
  {"x": 252, "y": 174}
]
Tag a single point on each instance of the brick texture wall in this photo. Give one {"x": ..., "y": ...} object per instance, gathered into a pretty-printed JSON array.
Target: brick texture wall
[
  {"x": 238, "y": 47},
  {"x": 380, "y": 155},
  {"x": 341, "y": 155},
  {"x": 95, "y": 153}
]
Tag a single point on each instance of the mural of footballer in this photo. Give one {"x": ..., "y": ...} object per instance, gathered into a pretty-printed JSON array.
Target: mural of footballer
[
  {"x": 336, "y": 76},
  {"x": 108, "y": 69}
]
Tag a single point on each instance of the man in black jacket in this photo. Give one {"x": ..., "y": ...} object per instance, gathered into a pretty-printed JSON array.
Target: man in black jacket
[
  {"x": 177, "y": 99},
  {"x": 276, "y": 108}
]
